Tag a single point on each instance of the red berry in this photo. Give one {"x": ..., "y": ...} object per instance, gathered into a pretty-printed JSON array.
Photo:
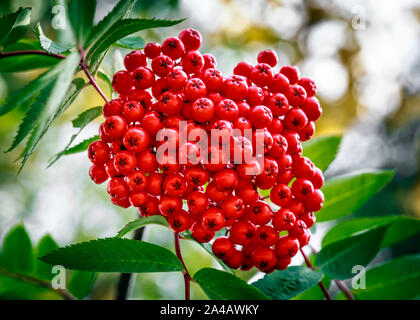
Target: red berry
[
  {"x": 191, "y": 39},
  {"x": 150, "y": 207},
  {"x": 260, "y": 116},
  {"x": 278, "y": 104},
  {"x": 169, "y": 205},
  {"x": 152, "y": 122},
  {"x": 312, "y": 108},
  {"x": 136, "y": 181},
  {"x": 233, "y": 207},
  {"x": 197, "y": 202},
  {"x": 176, "y": 79},
  {"x": 132, "y": 111},
  {"x": 161, "y": 65},
  {"x": 302, "y": 188},
  {"x": 213, "y": 219},
  {"x": 223, "y": 248},
  {"x": 308, "y": 85},
  {"x": 112, "y": 108},
  {"x": 147, "y": 160},
  {"x": 269, "y": 57},
  {"x": 283, "y": 220},
  {"x": 154, "y": 183},
  {"x": 295, "y": 119},
  {"x": 115, "y": 127},
  {"x": 180, "y": 221},
  {"x": 135, "y": 59},
  {"x": 152, "y": 50},
  {"x": 117, "y": 188},
  {"x": 125, "y": 162},
  {"x": 317, "y": 179},
  {"x": 243, "y": 69},
  {"x": 280, "y": 195},
  {"x": 291, "y": 72},
  {"x": 98, "y": 152},
  {"x": 314, "y": 201},
  {"x": 192, "y": 62},
  {"x": 143, "y": 78},
  {"x": 266, "y": 236},
  {"x": 136, "y": 140},
  {"x": 303, "y": 168},
  {"x": 261, "y": 74},
  {"x": 296, "y": 95},
  {"x": 203, "y": 110},
  {"x": 98, "y": 174},
  {"x": 279, "y": 83},
  {"x": 174, "y": 185},
  {"x": 264, "y": 258},
  {"x": 200, "y": 234},
  {"x": 173, "y": 48},
  {"x": 236, "y": 260},
  {"x": 194, "y": 89},
  {"x": 287, "y": 247},
  {"x": 235, "y": 87},
  {"x": 121, "y": 82},
  {"x": 137, "y": 199},
  {"x": 259, "y": 213},
  {"x": 298, "y": 229}
]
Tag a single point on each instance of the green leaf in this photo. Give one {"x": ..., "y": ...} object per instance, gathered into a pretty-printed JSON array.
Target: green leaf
[
  {"x": 57, "y": 102},
  {"x": 26, "y": 62},
  {"x": 31, "y": 117},
  {"x": 86, "y": 117},
  {"x": 315, "y": 293},
  {"x": 132, "y": 43},
  {"x": 208, "y": 248},
  {"x": 221, "y": 285},
  {"x": 393, "y": 235},
  {"x": 102, "y": 75},
  {"x": 27, "y": 93},
  {"x": 81, "y": 14},
  {"x": 115, "y": 255},
  {"x": 81, "y": 282},
  {"x": 80, "y": 147},
  {"x": 322, "y": 150},
  {"x": 123, "y": 28},
  {"x": 397, "y": 279},
  {"x": 45, "y": 245},
  {"x": 17, "y": 255},
  {"x": 286, "y": 284},
  {"x": 121, "y": 10},
  {"x": 346, "y": 194},
  {"x": 47, "y": 44},
  {"x": 138, "y": 223},
  {"x": 14, "y": 25},
  {"x": 338, "y": 258}
]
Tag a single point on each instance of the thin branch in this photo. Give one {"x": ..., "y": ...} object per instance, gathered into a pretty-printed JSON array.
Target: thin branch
[
  {"x": 38, "y": 282},
  {"x": 349, "y": 295},
  {"x": 126, "y": 279},
  {"x": 92, "y": 80},
  {"x": 321, "y": 285},
  {"x": 31, "y": 52},
  {"x": 187, "y": 277}
]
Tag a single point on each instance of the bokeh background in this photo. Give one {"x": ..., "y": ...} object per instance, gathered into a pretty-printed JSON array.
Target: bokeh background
[{"x": 363, "y": 54}]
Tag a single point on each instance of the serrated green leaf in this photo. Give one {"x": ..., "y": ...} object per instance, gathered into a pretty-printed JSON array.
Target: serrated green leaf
[
  {"x": 393, "y": 235},
  {"x": 346, "y": 194},
  {"x": 26, "y": 62},
  {"x": 397, "y": 279},
  {"x": 45, "y": 245},
  {"x": 86, "y": 117},
  {"x": 138, "y": 223},
  {"x": 17, "y": 255},
  {"x": 286, "y": 284},
  {"x": 221, "y": 285},
  {"x": 115, "y": 255},
  {"x": 322, "y": 150},
  {"x": 121, "y": 10},
  {"x": 55, "y": 105},
  {"x": 207, "y": 246},
  {"x": 80, "y": 122},
  {"x": 80, "y": 147},
  {"x": 14, "y": 25},
  {"x": 47, "y": 44},
  {"x": 123, "y": 28},
  {"x": 26, "y": 94},
  {"x": 81, "y": 14},
  {"x": 338, "y": 258},
  {"x": 81, "y": 282},
  {"x": 31, "y": 117},
  {"x": 132, "y": 43}
]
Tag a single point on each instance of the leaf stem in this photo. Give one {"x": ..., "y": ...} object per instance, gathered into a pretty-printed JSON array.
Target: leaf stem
[
  {"x": 187, "y": 277},
  {"x": 38, "y": 282},
  {"x": 92, "y": 80},
  {"x": 28, "y": 52},
  {"x": 321, "y": 285}
]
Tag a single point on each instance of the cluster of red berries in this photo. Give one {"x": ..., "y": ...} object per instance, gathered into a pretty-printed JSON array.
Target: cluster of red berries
[{"x": 181, "y": 84}]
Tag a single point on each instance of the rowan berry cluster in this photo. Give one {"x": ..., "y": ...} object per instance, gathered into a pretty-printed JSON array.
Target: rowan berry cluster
[{"x": 254, "y": 109}]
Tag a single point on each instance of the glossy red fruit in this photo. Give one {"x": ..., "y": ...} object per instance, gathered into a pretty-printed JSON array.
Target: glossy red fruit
[
  {"x": 98, "y": 174},
  {"x": 115, "y": 127},
  {"x": 150, "y": 207},
  {"x": 259, "y": 213},
  {"x": 173, "y": 48},
  {"x": 287, "y": 247},
  {"x": 197, "y": 202},
  {"x": 125, "y": 162},
  {"x": 143, "y": 78},
  {"x": 135, "y": 59},
  {"x": 174, "y": 185},
  {"x": 269, "y": 57},
  {"x": 200, "y": 234},
  {"x": 121, "y": 82},
  {"x": 136, "y": 181},
  {"x": 117, "y": 188},
  {"x": 98, "y": 152},
  {"x": 291, "y": 72},
  {"x": 266, "y": 236},
  {"x": 169, "y": 205},
  {"x": 298, "y": 229},
  {"x": 264, "y": 258},
  {"x": 236, "y": 260},
  {"x": 191, "y": 39},
  {"x": 136, "y": 140},
  {"x": 281, "y": 195},
  {"x": 152, "y": 50},
  {"x": 180, "y": 221},
  {"x": 213, "y": 219},
  {"x": 223, "y": 248},
  {"x": 233, "y": 207},
  {"x": 283, "y": 220}
]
